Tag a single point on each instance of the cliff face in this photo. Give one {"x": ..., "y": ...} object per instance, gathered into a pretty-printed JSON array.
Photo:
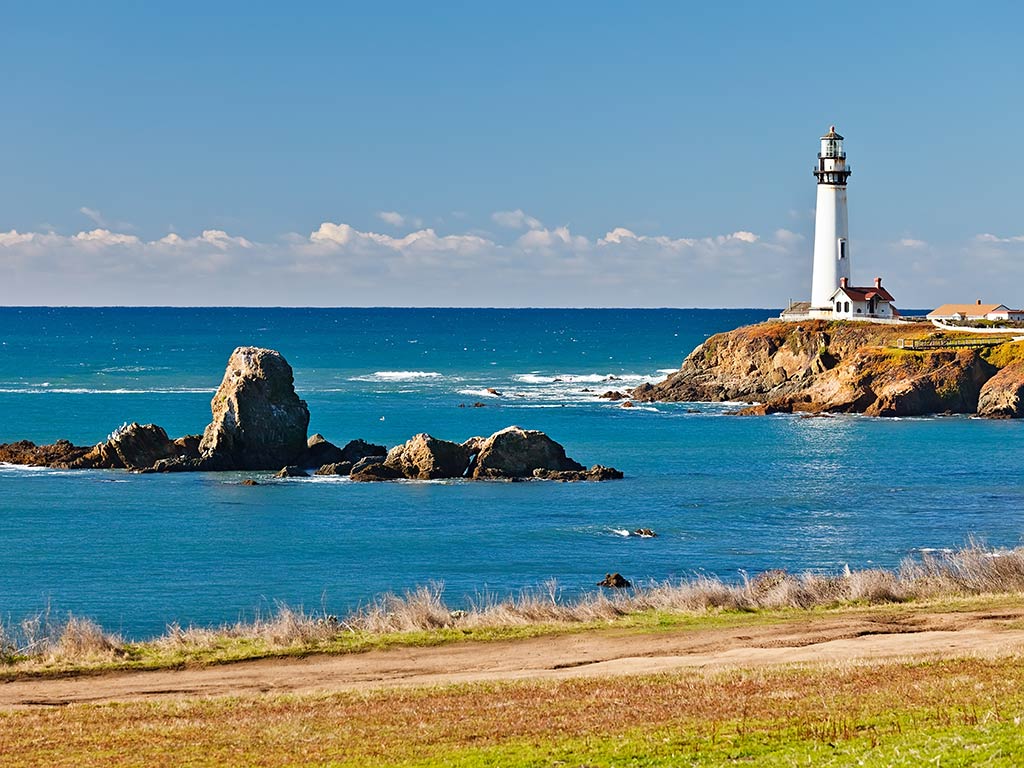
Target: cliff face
[{"x": 839, "y": 367}]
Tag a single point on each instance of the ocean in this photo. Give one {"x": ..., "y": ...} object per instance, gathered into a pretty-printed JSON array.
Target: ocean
[{"x": 726, "y": 495}]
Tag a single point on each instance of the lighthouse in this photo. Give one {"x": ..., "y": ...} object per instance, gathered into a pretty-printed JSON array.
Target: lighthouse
[
  {"x": 831, "y": 233},
  {"x": 833, "y": 295}
]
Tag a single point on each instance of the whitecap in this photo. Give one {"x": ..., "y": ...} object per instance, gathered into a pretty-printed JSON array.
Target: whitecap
[
  {"x": 45, "y": 389},
  {"x": 477, "y": 393},
  {"x": 399, "y": 376}
]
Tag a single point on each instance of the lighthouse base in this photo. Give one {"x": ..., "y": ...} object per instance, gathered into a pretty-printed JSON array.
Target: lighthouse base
[{"x": 799, "y": 311}]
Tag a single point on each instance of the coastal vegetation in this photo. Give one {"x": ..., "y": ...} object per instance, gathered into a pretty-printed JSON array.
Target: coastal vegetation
[{"x": 47, "y": 645}]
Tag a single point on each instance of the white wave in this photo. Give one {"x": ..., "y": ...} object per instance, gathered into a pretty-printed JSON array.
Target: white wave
[
  {"x": 667, "y": 371},
  {"x": 45, "y": 389},
  {"x": 579, "y": 378},
  {"x": 132, "y": 369},
  {"x": 398, "y": 376},
  {"x": 477, "y": 393},
  {"x": 619, "y": 531}
]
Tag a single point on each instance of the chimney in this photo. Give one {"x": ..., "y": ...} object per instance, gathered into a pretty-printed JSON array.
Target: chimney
[
  {"x": 878, "y": 282},
  {"x": 843, "y": 282}
]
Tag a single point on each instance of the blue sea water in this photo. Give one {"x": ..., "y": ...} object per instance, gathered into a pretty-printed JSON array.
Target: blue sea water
[{"x": 726, "y": 494}]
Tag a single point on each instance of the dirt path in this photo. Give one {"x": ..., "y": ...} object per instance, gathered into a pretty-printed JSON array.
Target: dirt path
[{"x": 831, "y": 639}]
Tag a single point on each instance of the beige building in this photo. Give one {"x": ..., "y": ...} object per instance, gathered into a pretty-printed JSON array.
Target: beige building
[{"x": 976, "y": 311}]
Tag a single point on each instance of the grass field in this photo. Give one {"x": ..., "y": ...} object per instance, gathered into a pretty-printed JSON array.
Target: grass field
[{"x": 950, "y": 713}]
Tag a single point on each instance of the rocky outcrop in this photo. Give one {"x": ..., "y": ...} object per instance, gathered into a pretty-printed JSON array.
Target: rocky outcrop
[
  {"x": 424, "y": 457},
  {"x": 320, "y": 451},
  {"x": 517, "y": 452},
  {"x": 511, "y": 454},
  {"x": 27, "y": 453},
  {"x": 595, "y": 473},
  {"x": 337, "y": 468},
  {"x": 844, "y": 367},
  {"x": 132, "y": 446},
  {"x": 1002, "y": 396},
  {"x": 258, "y": 420},
  {"x": 372, "y": 469}
]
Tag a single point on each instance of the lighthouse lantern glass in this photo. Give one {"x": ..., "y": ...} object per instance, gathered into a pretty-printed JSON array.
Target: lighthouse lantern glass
[{"x": 831, "y": 148}]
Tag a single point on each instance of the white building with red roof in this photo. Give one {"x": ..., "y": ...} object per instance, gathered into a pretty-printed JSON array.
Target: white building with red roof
[{"x": 850, "y": 302}]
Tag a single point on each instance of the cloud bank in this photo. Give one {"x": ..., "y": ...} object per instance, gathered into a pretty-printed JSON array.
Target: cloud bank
[{"x": 523, "y": 262}]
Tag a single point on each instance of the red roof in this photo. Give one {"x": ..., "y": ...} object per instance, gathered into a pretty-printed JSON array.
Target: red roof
[{"x": 866, "y": 294}]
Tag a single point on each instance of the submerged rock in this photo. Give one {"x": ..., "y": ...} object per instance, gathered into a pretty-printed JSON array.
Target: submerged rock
[{"x": 259, "y": 422}]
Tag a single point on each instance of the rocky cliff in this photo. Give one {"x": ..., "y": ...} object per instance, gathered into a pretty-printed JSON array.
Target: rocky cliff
[{"x": 821, "y": 366}]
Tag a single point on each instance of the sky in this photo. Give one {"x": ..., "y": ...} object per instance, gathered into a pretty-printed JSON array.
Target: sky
[{"x": 503, "y": 154}]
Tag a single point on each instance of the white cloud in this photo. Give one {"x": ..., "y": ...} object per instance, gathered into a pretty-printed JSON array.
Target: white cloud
[
  {"x": 621, "y": 235},
  {"x": 516, "y": 219},
  {"x": 989, "y": 238},
  {"x": 12, "y": 238},
  {"x": 396, "y": 219},
  {"x": 549, "y": 239},
  {"x": 96, "y": 216},
  {"x": 788, "y": 236},
  {"x": 103, "y": 237},
  {"x": 909, "y": 242},
  {"x": 337, "y": 264}
]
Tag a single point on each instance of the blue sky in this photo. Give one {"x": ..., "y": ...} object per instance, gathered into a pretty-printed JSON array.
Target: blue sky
[{"x": 486, "y": 154}]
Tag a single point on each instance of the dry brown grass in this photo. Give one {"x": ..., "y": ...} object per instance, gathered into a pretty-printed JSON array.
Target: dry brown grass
[{"x": 974, "y": 570}]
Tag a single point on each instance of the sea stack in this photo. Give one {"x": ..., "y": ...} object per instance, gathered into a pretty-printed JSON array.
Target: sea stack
[{"x": 259, "y": 422}]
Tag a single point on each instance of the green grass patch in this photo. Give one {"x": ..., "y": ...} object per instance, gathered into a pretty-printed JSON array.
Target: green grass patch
[{"x": 954, "y": 712}]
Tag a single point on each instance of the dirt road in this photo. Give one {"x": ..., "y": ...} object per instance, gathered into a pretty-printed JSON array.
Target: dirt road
[{"x": 880, "y": 635}]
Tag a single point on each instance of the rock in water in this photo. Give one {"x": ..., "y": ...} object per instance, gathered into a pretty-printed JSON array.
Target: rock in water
[
  {"x": 320, "y": 451},
  {"x": 356, "y": 450},
  {"x": 373, "y": 468},
  {"x": 292, "y": 470},
  {"x": 1002, "y": 396},
  {"x": 423, "y": 457},
  {"x": 59, "y": 454},
  {"x": 615, "y": 581},
  {"x": 595, "y": 473},
  {"x": 258, "y": 420},
  {"x": 335, "y": 468},
  {"x": 517, "y": 452},
  {"x": 132, "y": 446}
]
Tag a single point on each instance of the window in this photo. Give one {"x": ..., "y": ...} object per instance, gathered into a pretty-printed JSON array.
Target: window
[
  {"x": 842, "y": 248},
  {"x": 847, "y": 307},
  {"x": 839, "y": 306}
]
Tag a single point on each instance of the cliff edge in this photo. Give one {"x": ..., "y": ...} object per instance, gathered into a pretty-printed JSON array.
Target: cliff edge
[{"x": 849, "y": 367}]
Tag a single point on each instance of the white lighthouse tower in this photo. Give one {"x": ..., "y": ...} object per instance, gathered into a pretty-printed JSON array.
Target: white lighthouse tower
[{"x": 831, "y": 233}]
